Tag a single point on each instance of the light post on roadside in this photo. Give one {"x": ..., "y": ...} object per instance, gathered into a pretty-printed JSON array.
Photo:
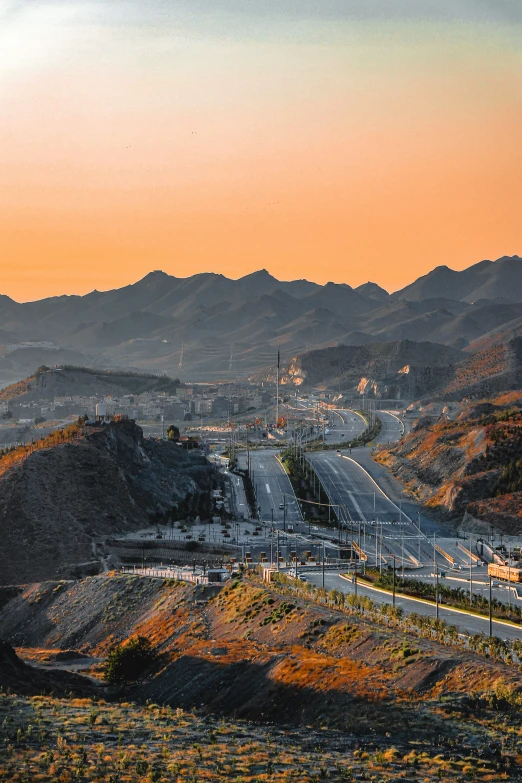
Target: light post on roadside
[
  {"x": 509, "y": 579},
  {"x": 490, "y": 610},
  {"x": 470, "y": 573},
  {"x": 393, "y": 600},
  {"x": 436, "y": 575}
]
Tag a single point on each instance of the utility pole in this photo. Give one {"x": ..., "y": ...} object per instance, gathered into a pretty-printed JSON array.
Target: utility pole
[
  {"x": 509, "y": 579},
  {"x": 284, "y": 513},
  {"x": 323, "y": 564},
  {"x": 393, "y": 600},
  {"x": 436, "y": 576},
  {"x": 277, "y": 387},
  {"x": 470, "y": 574},
  {"x": 277, "y": 553},
  {"x": 402, "y": 550},
  {"x": 437, "y": 594},
  {"x": 490, "y": 611}
]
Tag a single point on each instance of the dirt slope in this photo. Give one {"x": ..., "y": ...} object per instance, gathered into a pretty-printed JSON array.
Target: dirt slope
[
  {"x": 253, "y": 653},
  {"x": 60, "y": 499},
  {"x": 469, "y": 464}
]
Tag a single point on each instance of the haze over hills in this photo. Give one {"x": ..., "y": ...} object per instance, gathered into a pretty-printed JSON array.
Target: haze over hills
[{"x": 209, "y": 327}]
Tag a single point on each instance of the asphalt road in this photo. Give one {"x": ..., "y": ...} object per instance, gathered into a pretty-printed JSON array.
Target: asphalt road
[
  {"x": 381, "y": 526},
  {"x": 344, "y": 426},
  {"x": 464, "y": 622},
  {"x": 273, "y": 488}
]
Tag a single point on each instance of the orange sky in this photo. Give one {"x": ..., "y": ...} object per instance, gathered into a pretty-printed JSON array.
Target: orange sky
[{"x": 331, "y": 147}]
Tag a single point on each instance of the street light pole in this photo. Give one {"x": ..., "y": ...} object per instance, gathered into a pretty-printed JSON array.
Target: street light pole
[
  {"x": 470, "y": 573},
  {"x": 437, "y": 593},
  {"x": 436, "y": 575},
  {"x": 323, "y": 564},
  {"x": 490, "y": 611},
  {"x": 393, "y": 580}
]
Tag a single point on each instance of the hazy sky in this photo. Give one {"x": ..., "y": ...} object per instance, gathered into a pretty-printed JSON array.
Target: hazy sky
[{"x": 339, "y": 140}]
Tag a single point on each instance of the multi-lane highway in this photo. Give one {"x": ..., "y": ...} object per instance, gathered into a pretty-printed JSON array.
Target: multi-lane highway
[
  {"x": 384, "y": 528},
  {"x": 371, "y": 518},
  {"x": 465, "y": 622},
  {"x": 274, "y": 492}
]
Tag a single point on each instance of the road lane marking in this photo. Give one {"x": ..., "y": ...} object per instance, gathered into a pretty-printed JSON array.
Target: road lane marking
[{"x": 357, "y": 507}]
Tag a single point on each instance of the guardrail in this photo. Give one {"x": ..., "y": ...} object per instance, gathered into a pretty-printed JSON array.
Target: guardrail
[
  {"x": 470, "y": 554},
  {"x": 442, "y": 552}
]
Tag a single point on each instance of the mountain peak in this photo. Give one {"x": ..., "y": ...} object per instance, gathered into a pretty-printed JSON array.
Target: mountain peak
[
  {"x": 261, "y": 274},
  {"x": 372, "y": 291}
]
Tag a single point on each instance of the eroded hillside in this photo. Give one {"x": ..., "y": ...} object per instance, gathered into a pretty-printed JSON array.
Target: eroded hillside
[
  {"x": 467, "y": 466},
  {"x": 59, "y": 498},
  {"x": 393, "y": 704}
]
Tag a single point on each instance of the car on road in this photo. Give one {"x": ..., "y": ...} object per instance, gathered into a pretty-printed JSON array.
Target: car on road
[
  {"x": 338, "y": 452},
  {"x": 281, "y": 506},
  {"x": 303, "y": 578}
]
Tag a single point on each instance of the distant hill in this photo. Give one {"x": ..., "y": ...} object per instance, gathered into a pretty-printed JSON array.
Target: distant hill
[
  {"x": 485, "y": 280},
  {"x": 67, "y": 381},
  {"x": 208, "y": 327},
  {"x": 402, "y": 369}
]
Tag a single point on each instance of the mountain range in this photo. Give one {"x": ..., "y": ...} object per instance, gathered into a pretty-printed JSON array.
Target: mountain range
[{"x": 208, "y": 326}]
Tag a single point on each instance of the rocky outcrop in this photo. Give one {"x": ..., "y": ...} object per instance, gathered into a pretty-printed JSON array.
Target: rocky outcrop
[
  {"x": 61, "y": 499},
  {"x": 402, "y": 369},
  {"x": 468, "y": 467}
]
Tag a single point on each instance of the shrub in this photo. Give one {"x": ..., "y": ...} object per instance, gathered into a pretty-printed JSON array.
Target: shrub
[{"x": 127, "y": 661}]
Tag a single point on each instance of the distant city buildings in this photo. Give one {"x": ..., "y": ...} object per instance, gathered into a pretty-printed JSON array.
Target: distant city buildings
[{"x": 203, "y": 401}]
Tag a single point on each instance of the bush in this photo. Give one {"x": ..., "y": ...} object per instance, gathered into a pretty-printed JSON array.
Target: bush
[{"x": 127, "y": 661}]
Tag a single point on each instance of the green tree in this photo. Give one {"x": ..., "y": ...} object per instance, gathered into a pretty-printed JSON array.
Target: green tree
[
  {"x": 127, "y": 661},
  {"x": 173, "y": 433}
]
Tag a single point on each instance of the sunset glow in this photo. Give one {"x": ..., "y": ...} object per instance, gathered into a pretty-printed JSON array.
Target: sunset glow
[{"x": 318, "y": 140}]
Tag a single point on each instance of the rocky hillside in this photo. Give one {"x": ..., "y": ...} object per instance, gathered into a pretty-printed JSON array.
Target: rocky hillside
[
  {"x": 408, "y": 370},
  {"x": 487, "y": 372},
  {"x": 466, "y": 463},
  {"x": 57, "y": 500},
  {"x": 403, "y": 369}
]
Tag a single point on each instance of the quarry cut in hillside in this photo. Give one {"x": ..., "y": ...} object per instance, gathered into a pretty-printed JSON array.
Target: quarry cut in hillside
[
  {"x": 402, "y": 369},
  {"x": 466, "y": 464},
  {"x": 56, "y": 501},
  {"x": 407, "y": 370}
]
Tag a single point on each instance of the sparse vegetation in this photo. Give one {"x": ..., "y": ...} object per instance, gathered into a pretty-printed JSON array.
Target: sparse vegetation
[
  {"x": 351, "y": 691},
  {"x": 127, "y": 662}
]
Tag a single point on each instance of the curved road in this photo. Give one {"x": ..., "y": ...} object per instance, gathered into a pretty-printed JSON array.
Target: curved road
[{"x": 380, "y": 526}]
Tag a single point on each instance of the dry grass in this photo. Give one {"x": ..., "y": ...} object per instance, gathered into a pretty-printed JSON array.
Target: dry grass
[{"x": 46, "y": 739}]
